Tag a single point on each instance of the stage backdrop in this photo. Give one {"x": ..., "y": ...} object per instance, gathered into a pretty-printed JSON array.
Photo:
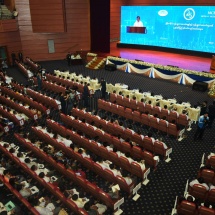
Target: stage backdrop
[{"x": 179, "y": 27}]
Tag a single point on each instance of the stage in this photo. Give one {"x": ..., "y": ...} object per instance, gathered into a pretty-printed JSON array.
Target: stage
[{"x": 164, "y": 58}]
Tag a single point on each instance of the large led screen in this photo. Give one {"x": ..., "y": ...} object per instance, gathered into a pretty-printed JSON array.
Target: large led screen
[{"x": 179, "y": 27}]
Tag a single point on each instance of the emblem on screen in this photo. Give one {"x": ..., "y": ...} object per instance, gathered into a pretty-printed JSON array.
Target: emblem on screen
[
  {"x": 189, "y": 14},
  {"x": 162, "y": 13}
]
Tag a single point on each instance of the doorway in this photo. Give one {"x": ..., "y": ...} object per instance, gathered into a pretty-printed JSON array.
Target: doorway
[{"x": 3, "y": 55}]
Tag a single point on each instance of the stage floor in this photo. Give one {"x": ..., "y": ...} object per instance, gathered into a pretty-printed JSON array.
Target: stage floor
[{"x": 164, "y": 58}]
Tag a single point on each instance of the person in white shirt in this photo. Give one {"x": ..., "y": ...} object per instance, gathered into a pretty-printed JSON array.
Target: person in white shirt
[
  {"x": 126, "y": 177},
  {"x": 83, "y": 153},
  {"x": 114, "y": 170},
  {"x": 128, "y": 157},
  {"x": 80, "y": 202},
  {"x": 102, "y": 164},
  {"x": 141, "y": 163}
]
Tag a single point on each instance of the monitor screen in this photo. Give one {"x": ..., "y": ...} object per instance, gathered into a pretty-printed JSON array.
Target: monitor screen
[{"x": 178, "y": 27}]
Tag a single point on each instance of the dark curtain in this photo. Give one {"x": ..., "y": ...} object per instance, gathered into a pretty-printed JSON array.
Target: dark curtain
[{"x": 100, "y": 25}]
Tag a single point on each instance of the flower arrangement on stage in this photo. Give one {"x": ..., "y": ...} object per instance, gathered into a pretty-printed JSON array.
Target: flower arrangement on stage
[
  {"x": 168, "y": 68},
  {"x": 92, "y": 54}
]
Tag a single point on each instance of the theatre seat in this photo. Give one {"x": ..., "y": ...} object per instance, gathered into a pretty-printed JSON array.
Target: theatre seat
[
  {"x": 198, "y": 191},
  {"x": 206, "y": 211},
  {"x": 187, "y": 208}
]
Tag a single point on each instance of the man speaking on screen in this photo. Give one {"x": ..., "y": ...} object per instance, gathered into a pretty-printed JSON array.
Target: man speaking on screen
[{"x": 138, "y": 23}]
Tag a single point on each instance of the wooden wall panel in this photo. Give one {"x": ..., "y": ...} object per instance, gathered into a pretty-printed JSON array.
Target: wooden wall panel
[
  {"x": 77, "y": 37},
  {"x": 8, "y": 25},
  {"x": 44, "y": 16},
  {"x": 12, "y": 41},
  {"x": 116, "y": 10}
]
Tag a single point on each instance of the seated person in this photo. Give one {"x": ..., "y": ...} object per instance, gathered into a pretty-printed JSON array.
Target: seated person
[
  {"x": 127, "y": 178},
  {"x": 80, "y": 202}
]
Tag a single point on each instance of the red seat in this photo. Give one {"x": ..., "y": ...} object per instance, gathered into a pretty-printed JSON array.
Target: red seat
[
  {"x": 114, "y": 158},
  {"x": 116, "y": 142},
  {"x": 173, "y": 116},
  {"x": 126, "y": 102},
  {"x": 145, "y": 119},
  {"x": 136, "y": 152},
  {"x": 211, "y": 195},
  {"x": 208, "y": 175},
  {"x": 149, "y": 159},
  {"x": 136, "y": 116},
  {"x": 128, "y": 114},
  {"x": 148, "y": 144},
  {"x": 182, "y": 120},
  {"x": 148, "y": 108},
  {"x": 198, "y": 191},
  {"x": 159, "y": 149},
  {"x": 153, "y": 123},
  {"x": 104, "y": 197},
  {"x": 141, "y": 107},
  {"x": 113, "y": 97},
  {"x": 126, "y": 147},
  {"x": 187, "y": 208},
  {"x": 119, "y": 100},
  {"x": 72, "y": 205},
  {"x": 124, "y": 163},
  {"x": 164, "y": 112},
  {"x": 123, "y": 185},
  {"x": 109, "y": 176},
  {"x": 162, "y": 126},
  {"x": 137, "y": 139},
  {"x": 107, "y": 138},
  {"x": 93, "y": 189},
  {"x": 156, "y": 110},
  {"x": 103, "y": 152},
  {"x": 88, "y": 163},
  {"x": 136, "y": 170},
  {"x": 127, "y": 134},
  {"x": 97, "y": 169},
  {"x": 206, "y": 211},
  {"x": 173, "y": 130}
]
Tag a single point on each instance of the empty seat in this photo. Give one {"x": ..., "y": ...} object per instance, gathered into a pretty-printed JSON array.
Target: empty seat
[
  {"x": 206, "y": 211},
  {"x": 186, "y": 208}
]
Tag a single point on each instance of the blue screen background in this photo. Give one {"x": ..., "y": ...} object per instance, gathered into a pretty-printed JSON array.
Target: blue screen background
[{"x": 180, "y": 27}]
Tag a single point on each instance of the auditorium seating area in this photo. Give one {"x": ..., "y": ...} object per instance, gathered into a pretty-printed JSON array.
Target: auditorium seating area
[{"x": 86, "y": 128}]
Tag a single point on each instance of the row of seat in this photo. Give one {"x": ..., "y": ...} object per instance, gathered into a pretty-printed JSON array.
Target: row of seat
[
  {"x": 113, "y": 129},
  {"x": 45, "y": 100},
  {"x": 30, "y": 63},
  {"x": 65, "y": 82},
  {"x": 136, "y": 116},
  {"x": 18, "y": 196},
  {"x": 189, "y": 208},
  {"x": 92, "y": 146},
  {"x": 152, "y": 110},
  {"x": 54, "y": 190},
  {"x": 87, "y": 162},
  {"x": 18, "y": 108},
  {"x": 11, "y": 117},
  {"x": 134, "y": 168},
  {"x": 208, "y": 175},
  {"x": 25, "y": 99},
  {"x": 22, "y": 68},
  {"x": 86, "y": 185}
]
